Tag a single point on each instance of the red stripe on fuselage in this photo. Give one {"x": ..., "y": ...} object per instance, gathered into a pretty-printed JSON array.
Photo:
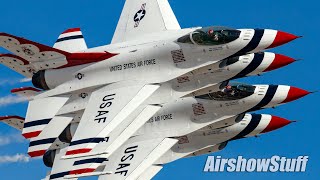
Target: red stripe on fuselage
[{"x": 76, "y": 59}]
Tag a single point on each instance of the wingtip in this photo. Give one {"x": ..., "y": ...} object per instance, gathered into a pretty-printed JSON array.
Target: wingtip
[
  {"x": 5, "y": 34},
  {"x": 5, "y": 54},
  {"x": 2, "y": 118},
  {"x": 17, "y": 90}
]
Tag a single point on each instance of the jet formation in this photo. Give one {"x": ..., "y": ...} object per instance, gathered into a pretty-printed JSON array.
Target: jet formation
[{"x": 156, "y": 94}]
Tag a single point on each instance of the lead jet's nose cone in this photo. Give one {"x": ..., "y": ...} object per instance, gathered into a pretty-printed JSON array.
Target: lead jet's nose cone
[
  {"x": 282, "y": 38},
  {"x": 295, "y": 93},
  {"x": 279, "y": 61},
  {"x": 276, "y": 123}
]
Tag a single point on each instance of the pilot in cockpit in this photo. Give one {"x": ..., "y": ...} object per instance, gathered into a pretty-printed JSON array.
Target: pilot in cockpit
[
  {"x": 227, "y": 89},
  {"x": 213, "y": 35},
  {"x": 232, "y": 91}
]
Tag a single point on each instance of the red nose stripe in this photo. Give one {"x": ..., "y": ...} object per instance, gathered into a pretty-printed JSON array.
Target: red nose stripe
[
  {"x": 282, "y": 38},
  {"x": 276, "y": 123},
  {"x": 295, "y": 93},
  {"x": 279, "y": 61}
]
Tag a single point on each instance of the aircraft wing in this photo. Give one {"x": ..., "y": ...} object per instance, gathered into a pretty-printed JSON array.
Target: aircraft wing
[
  {"x": 13, "y": 121},
  {"x": 36, "y": 56},
  {"x": 27, "y": 92},
  {"x": 106, "y": 118},
  {"x": 17, "y": 64},
  {"x": 31, "y": 57},
  {"x": 141, "y": 17}
]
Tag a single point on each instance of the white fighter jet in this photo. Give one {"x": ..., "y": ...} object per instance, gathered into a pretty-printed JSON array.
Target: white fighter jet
[
  {"x": 197, "y": 125},
  {"x": 93, "y": 102}
]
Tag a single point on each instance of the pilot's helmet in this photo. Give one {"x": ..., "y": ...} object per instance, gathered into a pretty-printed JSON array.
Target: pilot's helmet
[{"x": 210, "y": 32}]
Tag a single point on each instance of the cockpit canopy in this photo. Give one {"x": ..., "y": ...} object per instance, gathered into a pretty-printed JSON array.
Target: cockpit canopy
[
  {"x": 233, "y": 91},
  {"x": 210, "y": 36}
]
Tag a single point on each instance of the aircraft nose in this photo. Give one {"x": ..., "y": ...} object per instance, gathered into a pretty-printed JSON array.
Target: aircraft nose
[
  {"x": 279, "y": 94},
  {"x": 276, "y": 123},
  {"x": 279, "y": 61},
  {"x": 282, "y": 38},
  {"x": 294, "y": 94}
]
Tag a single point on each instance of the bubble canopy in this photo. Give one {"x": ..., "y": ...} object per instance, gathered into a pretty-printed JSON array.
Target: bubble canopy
[
  {"x": 209, "y": 36},
  {"x": 233, "y": 91}
]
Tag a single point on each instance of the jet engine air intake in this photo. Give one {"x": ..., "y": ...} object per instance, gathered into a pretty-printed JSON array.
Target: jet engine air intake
[
  {"x": 240, "y": 117},
  {"x": 228, "y": 61},
  {"x": 223, "y": 84},
  {"x": 222, "y": 145}
]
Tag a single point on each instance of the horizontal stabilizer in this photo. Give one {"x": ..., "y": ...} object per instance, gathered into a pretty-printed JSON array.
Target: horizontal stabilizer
[{"x": 13, "y": 121}]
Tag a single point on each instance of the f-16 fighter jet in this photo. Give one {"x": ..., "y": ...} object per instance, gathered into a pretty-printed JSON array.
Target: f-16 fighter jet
[
  {"x": 175, "y": 122},
  {"x": 206, "y": 140},
  {"x": 91, "y": 102}
]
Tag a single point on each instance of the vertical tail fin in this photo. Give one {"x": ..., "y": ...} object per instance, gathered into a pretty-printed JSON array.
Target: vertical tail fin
[
  {"x": 71, "y": 40},
  {"x": 140, "y": 17}
]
